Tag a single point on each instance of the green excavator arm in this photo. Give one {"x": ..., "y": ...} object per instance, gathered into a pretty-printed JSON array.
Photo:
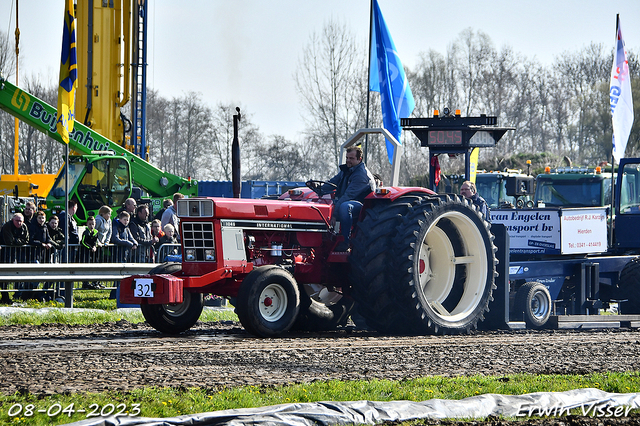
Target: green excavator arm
[{"x": 84, "y": 141}]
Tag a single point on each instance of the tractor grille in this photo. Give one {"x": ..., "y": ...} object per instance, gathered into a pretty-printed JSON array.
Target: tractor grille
[{"x": 198, "y": 241}]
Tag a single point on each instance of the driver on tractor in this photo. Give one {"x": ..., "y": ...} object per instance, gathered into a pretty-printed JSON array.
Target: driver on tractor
[{"x": 353, "y": 183}]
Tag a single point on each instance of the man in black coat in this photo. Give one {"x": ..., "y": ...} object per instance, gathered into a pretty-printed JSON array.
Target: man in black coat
[{"x": 141, "y": 231}]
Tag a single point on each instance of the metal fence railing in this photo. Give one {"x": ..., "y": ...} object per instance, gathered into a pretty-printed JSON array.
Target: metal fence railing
[{"x": 19, "y": 265}]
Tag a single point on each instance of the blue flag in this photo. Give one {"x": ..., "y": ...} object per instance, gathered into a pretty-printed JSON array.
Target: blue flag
[
  {"x": 387, "y": 77},
  {"x": 68, "y": 75}
]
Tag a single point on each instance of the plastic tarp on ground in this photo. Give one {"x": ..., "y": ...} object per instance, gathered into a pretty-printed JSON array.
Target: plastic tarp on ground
[{"x": 588, "y": 402}]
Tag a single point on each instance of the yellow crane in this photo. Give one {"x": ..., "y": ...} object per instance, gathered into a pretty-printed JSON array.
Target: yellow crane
[{"x": 108, "y": 36}]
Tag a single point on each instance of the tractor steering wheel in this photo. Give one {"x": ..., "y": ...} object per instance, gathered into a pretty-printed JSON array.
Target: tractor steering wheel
[{"x": 316, "y": 186}]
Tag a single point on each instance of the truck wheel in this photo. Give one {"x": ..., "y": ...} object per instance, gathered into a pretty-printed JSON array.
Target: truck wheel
[
  {"x": 534, "y": 301},
  {"x": 629, "y": 287},
  {"x": 173, "y": 319},
  {"x": 322, "y": 310},
  {"x": 370, "y": 257},
  {"x": 268, "y": 301},
  {"x": 443, "y": 270}
]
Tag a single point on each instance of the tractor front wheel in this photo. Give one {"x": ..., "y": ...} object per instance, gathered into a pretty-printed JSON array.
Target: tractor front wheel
[
  {"x": 268, "y": 301},
  {"x": 174, "y": 318}
]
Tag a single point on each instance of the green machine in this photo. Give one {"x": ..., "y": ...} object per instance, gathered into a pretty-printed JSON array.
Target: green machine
[{"x": 101, "y": 172}]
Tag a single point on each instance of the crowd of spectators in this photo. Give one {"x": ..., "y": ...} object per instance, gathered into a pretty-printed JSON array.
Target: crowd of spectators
[{"x": 129, "y": 237}]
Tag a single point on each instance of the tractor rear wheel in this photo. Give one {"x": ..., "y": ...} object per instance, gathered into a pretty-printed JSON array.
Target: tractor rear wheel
[
  {"x": 446, "y": 267},
  {"x": 629, "y": 287},
  {"x": 268, "y": 301},
  {"x": 534, "y": 302},
  {"x": 370, "y": 258},
  {"x": 439, "y": 275},
  {"x": 173, "y": 318}
]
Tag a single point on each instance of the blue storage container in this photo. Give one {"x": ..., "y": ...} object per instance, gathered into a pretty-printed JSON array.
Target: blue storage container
[{"x": 249, "y": 189}]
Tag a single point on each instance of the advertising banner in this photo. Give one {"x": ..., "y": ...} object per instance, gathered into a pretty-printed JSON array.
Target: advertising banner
[
  {"x": 554, "y": 231},
  {"x": 584, "y": 230},
  {"x": 531, "y": 231}
]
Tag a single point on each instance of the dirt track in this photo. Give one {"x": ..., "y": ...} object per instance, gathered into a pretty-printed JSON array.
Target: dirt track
[{"x": 55, "y": 358}]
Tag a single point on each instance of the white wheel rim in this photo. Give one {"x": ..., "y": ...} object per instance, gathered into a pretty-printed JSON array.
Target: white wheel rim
[
  {"x": 437, "y": 262},
  {"x": 273, "y": 302}
]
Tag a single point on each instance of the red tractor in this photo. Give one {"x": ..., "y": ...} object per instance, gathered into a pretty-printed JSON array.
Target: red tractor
[{"x": 420, "y": 263}]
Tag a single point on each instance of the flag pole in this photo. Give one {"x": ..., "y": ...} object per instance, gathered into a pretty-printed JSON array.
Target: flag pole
[
  {"x": 613, "y": 159},
  {"x": 366, "y": 137}
]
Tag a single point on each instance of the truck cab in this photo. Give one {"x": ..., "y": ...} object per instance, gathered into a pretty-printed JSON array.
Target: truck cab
[
  {"x": 573, "y": 187},
  {"x": 94, "y": 181},
  {"x": 627, "y": 202}
]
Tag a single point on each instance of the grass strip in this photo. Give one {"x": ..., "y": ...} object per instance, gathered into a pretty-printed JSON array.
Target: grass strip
[
  {"x": 97, "y": 308},
  {"x": 170, "y": 402}
]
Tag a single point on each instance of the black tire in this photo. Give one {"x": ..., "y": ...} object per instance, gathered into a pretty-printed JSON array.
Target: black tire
[
  {"x": 370, "y": 257},
  {"x": 629, "y": 287},
  {"x": 534, "y": 302},
  {"x": 440, "y": 275},
  {"x": 169, "y": 268},
  {"x": 268, "y": 301},
  {"x": 322, "y": 313},
  {"x": 175, "y": 318}
]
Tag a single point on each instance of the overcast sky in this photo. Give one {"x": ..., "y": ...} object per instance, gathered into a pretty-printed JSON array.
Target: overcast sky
[{"x": 246, "y": 51}]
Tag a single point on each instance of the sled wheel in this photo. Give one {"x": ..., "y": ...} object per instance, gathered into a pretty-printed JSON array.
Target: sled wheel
[
  {"x": 629, "y": 287},
  {"x": 534, "y": 301}
]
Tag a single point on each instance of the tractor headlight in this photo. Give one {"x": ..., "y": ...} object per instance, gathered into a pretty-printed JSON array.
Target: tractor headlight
[
  {"x": 209, "y": 254},
  {"x": 190, "y": 254}
]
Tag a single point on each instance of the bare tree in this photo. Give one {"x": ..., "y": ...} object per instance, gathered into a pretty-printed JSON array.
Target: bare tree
[
  {"x": 329, "y": 80},
  {"x": 7, "y": 56}
]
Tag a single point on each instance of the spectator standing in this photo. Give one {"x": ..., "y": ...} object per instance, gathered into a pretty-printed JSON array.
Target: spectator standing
[
  {"x": 56, "y": 236},
  {"x": 39, "y": 238},
  {"x": 105, "y": 228},
  {"x": 40, "y": 250},
  {"x": 171, "y": 214},
  {"x": 89, "y": 244},
  {"x": 141, "y": 231},
  {"x": 29, "y": 212},
  {"x": 122, "y": 239},
  {"x": 469, "y": 191},
  {"x": 129, "y": 207},
  {"x": 165, "y": 205},
  {"x": 15, "y": 234},
  {"x": 169, "y": 238},
  {"x": 156, "y": 234},
  {"x": 66, "y": 217}
]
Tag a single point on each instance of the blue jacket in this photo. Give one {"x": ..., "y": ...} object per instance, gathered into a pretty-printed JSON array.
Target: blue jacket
[
  {"x": 353, "y": 183},
  {"x": 121, "y": 236},
  {"x": 482, "y": 205}
]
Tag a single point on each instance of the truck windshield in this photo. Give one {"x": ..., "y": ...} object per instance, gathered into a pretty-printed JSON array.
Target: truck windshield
[
  {"x": 107, "y": 181},
  {"x": 493, "y": 188},
  {"x": 630, "y": 192},
  {"x": 75, "y": 169},
  {"x": 581, "y": 192}
]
